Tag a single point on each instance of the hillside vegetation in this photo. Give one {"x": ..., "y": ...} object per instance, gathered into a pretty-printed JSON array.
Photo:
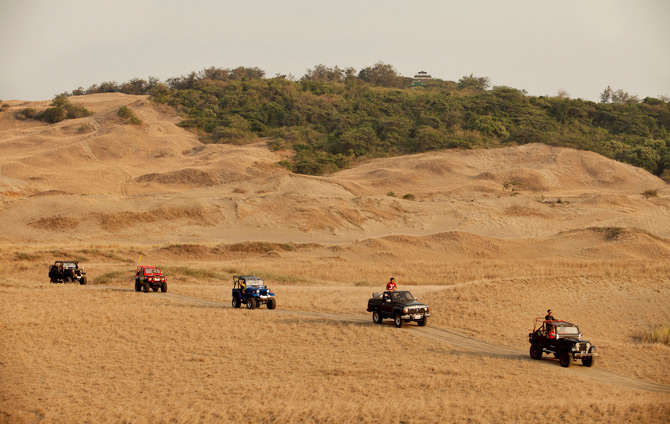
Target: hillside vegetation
[{"x": 332, "y": 117}]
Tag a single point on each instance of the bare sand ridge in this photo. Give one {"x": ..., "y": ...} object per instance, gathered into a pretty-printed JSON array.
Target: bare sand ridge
[{"x": 490, "y": 240}]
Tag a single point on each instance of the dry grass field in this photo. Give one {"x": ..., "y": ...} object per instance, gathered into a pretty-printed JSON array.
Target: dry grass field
[{"x": 493, "y": 239}]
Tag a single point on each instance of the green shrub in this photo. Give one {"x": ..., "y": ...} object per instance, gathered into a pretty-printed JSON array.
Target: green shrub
[
  {"x": 650, "y": 193},
  {"x": 62, "y": 109},
  {"x": 128, "y": 116},
  {"x": 409, "y": 196},
  {"x": 27, "y": 113},
  {"x": 286, "y": 164},
  {"x": 52, "y": 115}
]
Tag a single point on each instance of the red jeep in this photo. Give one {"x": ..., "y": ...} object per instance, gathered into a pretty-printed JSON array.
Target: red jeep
[{"x": 150, "y": 277}]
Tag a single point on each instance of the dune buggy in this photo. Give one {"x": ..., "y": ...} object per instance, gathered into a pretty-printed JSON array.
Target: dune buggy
[
  {"x": 563, "y": 340},
  {"x": 252, "y": 291}
]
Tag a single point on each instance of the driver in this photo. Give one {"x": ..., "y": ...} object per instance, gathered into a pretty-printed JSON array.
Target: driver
[
  {"x": 390, "y": 286},
  {"x": 549, "y": 316}
]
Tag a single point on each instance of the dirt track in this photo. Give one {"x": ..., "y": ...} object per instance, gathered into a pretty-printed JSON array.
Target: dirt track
[{"x": 449, "y": 336}]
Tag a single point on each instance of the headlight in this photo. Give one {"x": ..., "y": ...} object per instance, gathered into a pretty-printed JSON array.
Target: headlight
[{"x": 404, "y": 311}]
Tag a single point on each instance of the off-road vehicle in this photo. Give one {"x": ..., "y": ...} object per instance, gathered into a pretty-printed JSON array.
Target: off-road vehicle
[
  {"x": 563, "y": 340},
  {"x": 252, "y": 291},
  {"x": 150, "y": 277},
  {"x": 67, "y": 272},
  {"x": 399, "y": 305}
]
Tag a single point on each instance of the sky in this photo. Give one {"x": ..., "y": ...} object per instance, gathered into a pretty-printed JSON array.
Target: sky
[{"x": 580, "y": 46}]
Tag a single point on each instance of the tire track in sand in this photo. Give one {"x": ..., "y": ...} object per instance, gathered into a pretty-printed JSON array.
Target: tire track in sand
[{"x": 449, "y": 336}]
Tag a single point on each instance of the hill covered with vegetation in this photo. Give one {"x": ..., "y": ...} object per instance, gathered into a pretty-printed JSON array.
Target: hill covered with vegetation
[{"x": 333, "y": 117}]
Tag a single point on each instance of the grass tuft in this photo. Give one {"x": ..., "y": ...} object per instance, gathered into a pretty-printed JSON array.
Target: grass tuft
[
  {"x": 660, "y": 334},
  {"x": 112, "y": 277}
]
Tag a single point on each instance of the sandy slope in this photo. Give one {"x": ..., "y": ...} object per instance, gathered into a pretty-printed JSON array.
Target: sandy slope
[
  {"x": 108, "y": 181},
  {"x": 491, "y": 239}
]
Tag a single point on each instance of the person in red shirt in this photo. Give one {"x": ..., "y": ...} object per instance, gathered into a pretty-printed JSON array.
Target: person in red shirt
[{"x": 391, "y": 285}]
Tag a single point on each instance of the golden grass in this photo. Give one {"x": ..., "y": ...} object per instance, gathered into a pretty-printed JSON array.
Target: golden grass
[
  {"x": 104, "y": 353},
  {"x": 77, "y": 354},
  {"x": 659, "y": 334}
]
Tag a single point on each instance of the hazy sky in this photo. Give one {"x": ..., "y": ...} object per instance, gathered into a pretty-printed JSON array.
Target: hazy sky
[{"x": 581, "y": 46}]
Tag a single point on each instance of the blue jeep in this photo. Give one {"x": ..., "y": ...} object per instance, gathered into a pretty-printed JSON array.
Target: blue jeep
[{"x": 251, "y": 291}]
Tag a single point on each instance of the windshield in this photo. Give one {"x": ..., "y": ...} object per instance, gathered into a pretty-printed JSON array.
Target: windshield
[
  {"x": 254, "y": 282},
  {"x": 567, "y": 331},
  {"x": 69, "y": 265},
  {"x": 152, "y": 270},
  {"x": 402, "y": 296}
]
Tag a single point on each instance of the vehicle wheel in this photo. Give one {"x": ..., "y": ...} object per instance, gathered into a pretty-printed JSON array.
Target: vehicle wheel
[
  {"x": 146, "y": 287},
  {"x": 53, "y": 281},
  {"x": 138, "y": 286},
  {"x": 83, "y": 281},
  {"x": 272, "y": 303},
  {"x": 535, "y": 351},
  {"x": 251, "y": 303},
  {"x": 565, "y": 359},
  {"x": 589, "y": 360},
  {"x": 66, "y": 280},
  {"x": 377, "y": 317},
  {"x": 164, "y": 287},
  {"x": 236, "y": 301},
  {"x": 423, "y": 321},
  {"x": 398, "y": 321}
]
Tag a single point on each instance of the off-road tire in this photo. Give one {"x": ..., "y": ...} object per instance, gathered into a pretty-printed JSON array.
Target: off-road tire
[
  {"x": 565, "y": 359},
  {"x": 236, "y": 301},
  {"x": 423, "y": 321},
  {"x": 535, "y": 351},
  {"x": 589, "y": 360},
  {"x": 52, "y": 281},
  {"x": 164, "y": 287},
  {"x": 272, "y": 303},
  {"x": 377, "y": 317},
  {"x": 147, "y": 287},
  {"x": 138, "y": 286},
  {"x": 83, "y": 281},
  {"x": 398, "y": 320},
  {"x": 251, "y": 303}
]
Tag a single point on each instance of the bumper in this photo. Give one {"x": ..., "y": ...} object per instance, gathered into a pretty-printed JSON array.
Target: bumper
[
  {"x": 584, "y": 354},
  {"x": 414, "y": 317}
]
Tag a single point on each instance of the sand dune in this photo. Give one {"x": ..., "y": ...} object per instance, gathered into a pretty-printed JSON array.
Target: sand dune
[{"x": 489, "y": 238}]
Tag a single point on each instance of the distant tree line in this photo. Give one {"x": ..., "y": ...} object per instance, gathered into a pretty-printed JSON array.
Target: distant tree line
[{"x": 332, "y": 117}]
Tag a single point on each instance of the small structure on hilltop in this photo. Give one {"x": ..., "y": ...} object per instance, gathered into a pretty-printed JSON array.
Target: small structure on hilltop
[{"x": 420, "y": 78}]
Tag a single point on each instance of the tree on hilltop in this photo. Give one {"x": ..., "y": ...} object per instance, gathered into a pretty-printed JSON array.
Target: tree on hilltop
[
  {"x": 478, "y": 84},
  {"x": 381, "y": 74}
]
